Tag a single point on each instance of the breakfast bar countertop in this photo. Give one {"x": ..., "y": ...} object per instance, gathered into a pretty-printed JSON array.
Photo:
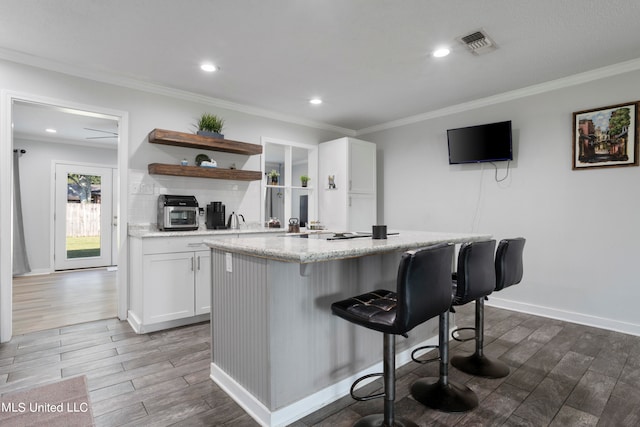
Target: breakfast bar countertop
[{"x": 303, "y": 249}]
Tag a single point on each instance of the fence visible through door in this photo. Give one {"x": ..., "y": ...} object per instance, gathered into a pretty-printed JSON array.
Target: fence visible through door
[{"x": 83, "y": 216}]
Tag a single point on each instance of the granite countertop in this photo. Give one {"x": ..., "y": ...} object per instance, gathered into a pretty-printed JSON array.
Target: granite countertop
[
  {"x": 316, "y": 248},
  {"x": 147, "y": 230}
]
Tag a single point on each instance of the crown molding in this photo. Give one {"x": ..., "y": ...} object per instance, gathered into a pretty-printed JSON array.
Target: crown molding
[
  {"x": 154, "y": 88},
  {"x": 576, "y": 79}
]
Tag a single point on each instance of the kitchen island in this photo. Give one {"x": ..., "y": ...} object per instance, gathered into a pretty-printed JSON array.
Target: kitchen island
[{"x": 276, "y": 349}]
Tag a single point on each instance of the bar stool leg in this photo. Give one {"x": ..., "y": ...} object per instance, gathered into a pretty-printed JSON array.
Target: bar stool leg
[
  {"x": 443, "y": 394},
  {"x": 478, "y": 364},
  {"x": 387, "y": 419}
]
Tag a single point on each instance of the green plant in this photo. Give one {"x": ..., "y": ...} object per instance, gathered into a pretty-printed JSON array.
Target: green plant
[
  {"x": 210, "y": 123},
  {"x": 304, "y": 179},
  {"x": 273, "y": 174}
]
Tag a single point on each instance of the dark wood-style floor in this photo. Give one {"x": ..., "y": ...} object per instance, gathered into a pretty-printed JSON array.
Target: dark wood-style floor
[{"x": 562, "y": 374}]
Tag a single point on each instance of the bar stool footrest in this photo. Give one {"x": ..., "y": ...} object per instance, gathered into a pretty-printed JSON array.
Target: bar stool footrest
[
  {"x": 449, "y": 397},
  {"x": 425, "y": 347},
  {"x": 480, "y": 366},
  {"x": 369, "y": 397}
]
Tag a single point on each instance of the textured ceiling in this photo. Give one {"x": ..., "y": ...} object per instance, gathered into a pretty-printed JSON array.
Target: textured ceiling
[{"x": 369, "y": 60}]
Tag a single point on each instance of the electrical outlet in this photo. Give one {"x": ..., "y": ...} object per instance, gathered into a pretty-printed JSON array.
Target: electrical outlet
[
  {"x": 228, "y": 265},
  {"x": 146, "y": 188},
  {"x": 134, "y": 188}
]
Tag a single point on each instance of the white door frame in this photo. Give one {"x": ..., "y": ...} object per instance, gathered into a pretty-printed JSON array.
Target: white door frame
[
  {"x": 105, "y": 215},
  {"x": 7, "y": 98}
]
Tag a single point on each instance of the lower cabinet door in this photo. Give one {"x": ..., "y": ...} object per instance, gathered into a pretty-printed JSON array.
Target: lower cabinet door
[
  {"x": 203, "y": 282},
  {"x": 362, "y": 212},
  {"x": 168, "y": 286}
]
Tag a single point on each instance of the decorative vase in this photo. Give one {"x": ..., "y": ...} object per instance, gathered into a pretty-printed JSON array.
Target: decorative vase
[{"x": 274, "y": 180}]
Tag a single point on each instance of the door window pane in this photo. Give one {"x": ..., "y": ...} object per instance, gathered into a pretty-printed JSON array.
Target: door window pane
[{"x": 83, "y": 215}]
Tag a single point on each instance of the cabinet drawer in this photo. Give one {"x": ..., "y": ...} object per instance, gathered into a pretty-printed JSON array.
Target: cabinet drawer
[{"x": 161, "y": 245}]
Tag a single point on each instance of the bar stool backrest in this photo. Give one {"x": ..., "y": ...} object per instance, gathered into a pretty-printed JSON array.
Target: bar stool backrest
[
  {"x": 423, "y": 285},
  {"x": 476, "y": 275},
  {"x": 509, "y": 263}
]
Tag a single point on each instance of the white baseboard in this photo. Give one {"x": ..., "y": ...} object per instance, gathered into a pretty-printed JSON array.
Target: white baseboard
[
  {"x": 568, "y": 316},
  {"x": 134, "y": 322},
  {"x": 139, "y": 328},
  {"x": 36, "y": 272},
  {"x": 306, "y": 405}
]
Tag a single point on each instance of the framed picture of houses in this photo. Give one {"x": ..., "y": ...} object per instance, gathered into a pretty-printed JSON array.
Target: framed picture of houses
[{"x": 606, "y": 137}]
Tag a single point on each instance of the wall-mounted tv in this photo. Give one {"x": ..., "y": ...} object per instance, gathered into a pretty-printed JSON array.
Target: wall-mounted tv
[{"x": 484, "y": 143}]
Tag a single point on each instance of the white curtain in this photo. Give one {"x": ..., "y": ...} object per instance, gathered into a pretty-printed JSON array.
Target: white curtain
[{"x": 20, "y": 260}]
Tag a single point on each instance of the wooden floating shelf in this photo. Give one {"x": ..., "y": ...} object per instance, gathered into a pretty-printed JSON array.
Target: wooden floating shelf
[
  {"x": 182, "y": 139},
  {"x": 200, "y": 172}
]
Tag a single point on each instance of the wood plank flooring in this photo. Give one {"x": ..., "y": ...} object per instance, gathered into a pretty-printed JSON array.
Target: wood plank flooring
[
  {"x": 63, "y": 298},
  {"x": 562, "y": 374}
]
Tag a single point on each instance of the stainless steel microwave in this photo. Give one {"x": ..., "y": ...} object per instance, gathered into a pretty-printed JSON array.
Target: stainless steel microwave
[{"x": 177, "y": 213}]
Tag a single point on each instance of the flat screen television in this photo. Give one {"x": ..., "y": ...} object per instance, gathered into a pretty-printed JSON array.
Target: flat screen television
[{"x": 483, "y": 143}]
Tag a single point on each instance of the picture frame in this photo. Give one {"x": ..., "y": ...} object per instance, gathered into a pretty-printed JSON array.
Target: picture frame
[{"x": 606, "y": 136}]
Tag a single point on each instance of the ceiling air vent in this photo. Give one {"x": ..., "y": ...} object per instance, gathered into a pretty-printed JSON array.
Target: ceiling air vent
[{"x": 478, "y": 42}]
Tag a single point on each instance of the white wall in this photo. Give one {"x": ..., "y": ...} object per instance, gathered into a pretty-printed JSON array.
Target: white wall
[
  {"x": 148, "y": 111},
  {"x": 581, "y": 226},
  {"x": 37, "y": 199}
]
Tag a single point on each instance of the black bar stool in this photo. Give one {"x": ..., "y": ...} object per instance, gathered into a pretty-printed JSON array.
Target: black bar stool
[
  {"x": 508, "y": 270},
  {"x": 423, "y": 292},
  {"x": 475, "y": 279}
]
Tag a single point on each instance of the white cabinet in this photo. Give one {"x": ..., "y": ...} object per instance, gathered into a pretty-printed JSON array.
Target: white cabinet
[
  {"x": 202, "y": 279},
  {"x": 350, "y": 203},
  {"x": 170, "y": 282},
  {"x": 362, "y": 166},
  {"x": 361, "y": 212}
]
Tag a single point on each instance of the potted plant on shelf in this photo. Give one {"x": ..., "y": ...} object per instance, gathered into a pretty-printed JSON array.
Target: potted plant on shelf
[
  {"x": 304, "y": 179},
  {"x": 210, "y": 125},
  {"x": 273, "y": 176}
]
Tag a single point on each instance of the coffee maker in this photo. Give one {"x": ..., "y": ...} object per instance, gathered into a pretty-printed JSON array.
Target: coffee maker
[{"x": 215, "y": 216}]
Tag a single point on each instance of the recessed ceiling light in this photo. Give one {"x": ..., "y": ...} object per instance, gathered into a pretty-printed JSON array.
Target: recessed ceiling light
[
  {"x": 441, "y": 53},
  {"x": 50, "y": 130},
  {"x": 210, "y": 68},
  {"x": 315, "y": 101}
]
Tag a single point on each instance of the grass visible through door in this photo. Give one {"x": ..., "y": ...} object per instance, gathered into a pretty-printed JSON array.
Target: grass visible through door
[{"x": 83, "y": 247}]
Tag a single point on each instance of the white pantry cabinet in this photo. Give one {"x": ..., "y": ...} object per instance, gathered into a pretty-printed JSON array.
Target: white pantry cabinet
[{"x": 347, "y": 194}]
